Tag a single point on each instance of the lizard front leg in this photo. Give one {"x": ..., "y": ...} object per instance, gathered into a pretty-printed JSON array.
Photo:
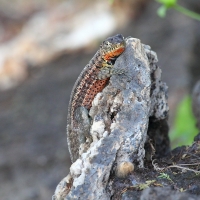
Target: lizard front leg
[{"x": 108, "y": 70}]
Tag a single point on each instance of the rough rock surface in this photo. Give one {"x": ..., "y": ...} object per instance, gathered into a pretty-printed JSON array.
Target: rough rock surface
[{"x": 120, "y": 122}]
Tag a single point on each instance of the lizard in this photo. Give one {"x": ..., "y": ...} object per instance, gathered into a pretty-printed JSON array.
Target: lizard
[{"x": 92, "y": 80}]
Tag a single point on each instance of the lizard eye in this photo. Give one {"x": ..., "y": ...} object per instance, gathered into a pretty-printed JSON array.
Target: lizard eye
[{"x": 107, "y": 43}]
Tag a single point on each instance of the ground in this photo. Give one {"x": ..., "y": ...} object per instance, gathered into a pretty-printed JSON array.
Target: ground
[{"x": 173, "y": 177}]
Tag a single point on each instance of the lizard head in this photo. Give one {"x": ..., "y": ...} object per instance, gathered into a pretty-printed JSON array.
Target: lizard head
[{"x": 112, "y": 47}]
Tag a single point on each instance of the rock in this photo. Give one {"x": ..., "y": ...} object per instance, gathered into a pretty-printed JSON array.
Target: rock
[{"x": 124, "y": 108}]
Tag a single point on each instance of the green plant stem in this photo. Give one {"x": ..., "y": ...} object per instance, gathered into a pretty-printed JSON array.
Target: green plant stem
[{"x": 187, "y": 12}]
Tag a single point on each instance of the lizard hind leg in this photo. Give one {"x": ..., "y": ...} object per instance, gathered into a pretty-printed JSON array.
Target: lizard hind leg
[
  {"x": 83, "y": 132},
  {"x": 82, "y": 116}
]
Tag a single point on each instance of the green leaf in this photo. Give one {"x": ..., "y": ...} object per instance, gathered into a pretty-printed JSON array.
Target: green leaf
[
  {"x": 184, "y": 128},
  {"x": 168, "y": 3},
  {"x": 162, "y": 11},
  {"x": 165, "y": 176}
]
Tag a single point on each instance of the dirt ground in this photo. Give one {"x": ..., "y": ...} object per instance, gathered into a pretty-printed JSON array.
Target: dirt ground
[
  {"x": 175, "y": 177},
  {"x": 33, "y": 116}
]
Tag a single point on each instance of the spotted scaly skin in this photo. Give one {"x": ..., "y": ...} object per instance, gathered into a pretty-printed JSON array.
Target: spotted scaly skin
[{"x": 91, "y": 81}]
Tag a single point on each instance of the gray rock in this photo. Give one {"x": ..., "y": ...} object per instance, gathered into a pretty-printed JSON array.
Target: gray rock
[{"x": 120, "y": 114}]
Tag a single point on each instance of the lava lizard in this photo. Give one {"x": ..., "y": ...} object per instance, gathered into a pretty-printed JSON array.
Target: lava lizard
[{"x": 91, "y": 81}]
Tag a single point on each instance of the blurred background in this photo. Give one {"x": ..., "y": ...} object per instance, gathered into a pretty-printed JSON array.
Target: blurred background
[{"x": 44, "y": 45}]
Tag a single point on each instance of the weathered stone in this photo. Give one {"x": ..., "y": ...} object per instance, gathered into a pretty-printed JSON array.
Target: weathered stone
[{"x": 121, "y": 114}]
